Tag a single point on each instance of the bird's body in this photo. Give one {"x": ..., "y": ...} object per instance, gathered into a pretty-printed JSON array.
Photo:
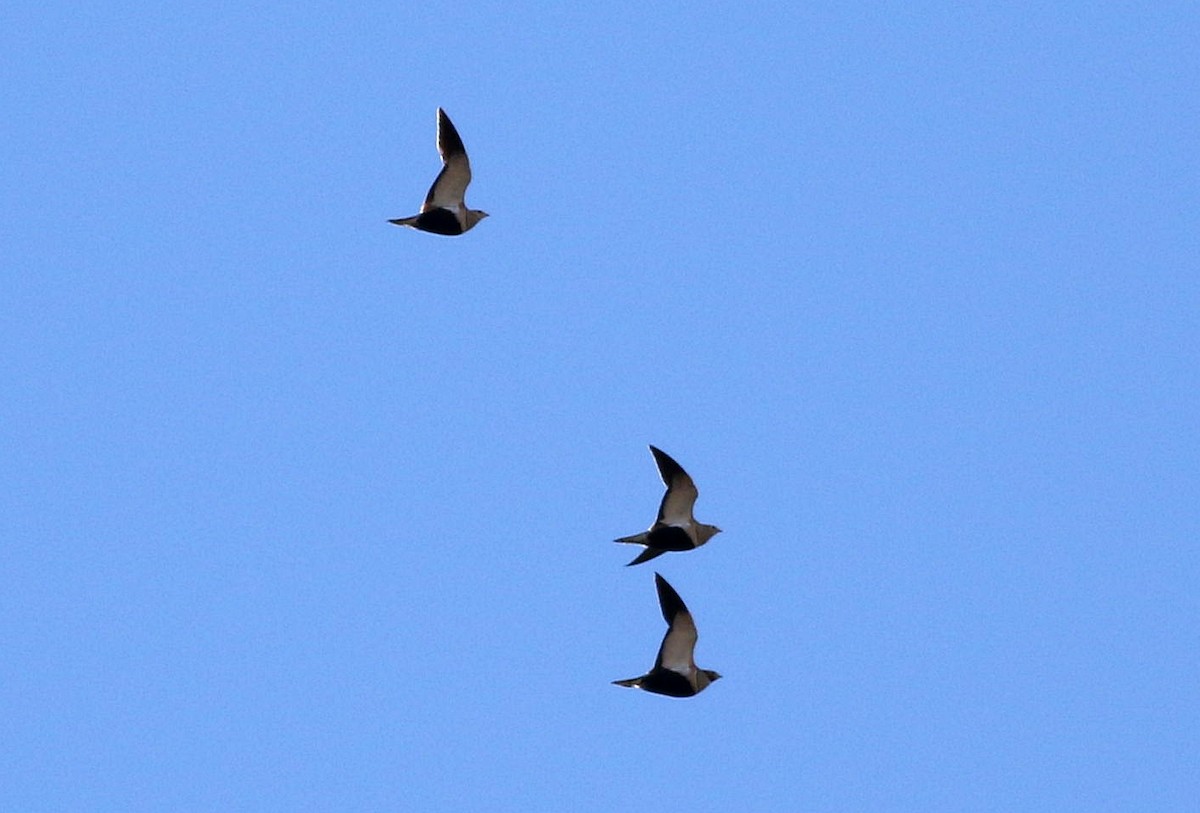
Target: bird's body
[
  {"x": 675, "y": 529},
  {"x": 675, "y": 673},
  {"x": 445, "y": 210}
]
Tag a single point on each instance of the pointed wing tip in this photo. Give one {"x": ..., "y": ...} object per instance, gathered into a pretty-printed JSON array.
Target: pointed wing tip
[
  {"x": 646, "y": 555},
  {"x": 661, "y": 458},
  {"x": 668, "y": 467},
  {"x": 669, "y": 600},
  {"x": 450, "y": 145}
]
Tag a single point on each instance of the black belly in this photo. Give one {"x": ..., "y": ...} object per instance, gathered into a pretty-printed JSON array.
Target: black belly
[
  {"x": 668, "y": 537},
  {"x": 664, "y": 681},
  {"x": 439, "y": 221}
]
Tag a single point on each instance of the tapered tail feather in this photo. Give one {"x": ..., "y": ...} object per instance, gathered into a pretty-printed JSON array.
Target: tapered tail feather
[
  {"x": 641, "y": 539},
  {"x": 406, "y": 221},
  {"x": 633, "y": 683}
]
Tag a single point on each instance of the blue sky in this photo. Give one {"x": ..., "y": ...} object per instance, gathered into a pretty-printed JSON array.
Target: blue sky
[{"x": 304, "y": 511}]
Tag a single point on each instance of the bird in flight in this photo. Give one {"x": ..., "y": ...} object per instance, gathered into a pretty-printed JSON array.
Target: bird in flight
[
  {"x": 674, "y": 673},
  {"x": 445, "y": 211},
  {"x": 675, "y": 529}
]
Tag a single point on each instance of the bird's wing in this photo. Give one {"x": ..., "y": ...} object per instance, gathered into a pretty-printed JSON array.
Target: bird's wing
[
  {"x": 450, "y": 186},
  {"x": 680, "y": 500},
  {"x": 679, "y": 644},
  {"x": 646, "y": 556}
]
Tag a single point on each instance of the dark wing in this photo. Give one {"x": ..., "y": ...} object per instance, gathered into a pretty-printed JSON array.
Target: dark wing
[
  {"x": 646, "y": 556},
  {"x": 679, "y": 644},
  {"x": 680, "y": 500},
  {"x": 448, "y": 142},
  {"x": 450, "y": 187}
]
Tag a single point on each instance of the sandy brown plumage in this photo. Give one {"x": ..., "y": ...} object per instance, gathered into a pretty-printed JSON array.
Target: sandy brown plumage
[
  {"x": 675, "y": 528},
  {"x": 445, "y": 210},
  {"x": 675, "y": 673}
]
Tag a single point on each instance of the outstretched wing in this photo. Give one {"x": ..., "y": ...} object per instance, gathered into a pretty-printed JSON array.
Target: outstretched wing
[
  {"x": 680, "y": 500},
  {"x": 679, "y": 644},
  {"x": 646, "y": 556},
  {"x": 450, "y": 187}
]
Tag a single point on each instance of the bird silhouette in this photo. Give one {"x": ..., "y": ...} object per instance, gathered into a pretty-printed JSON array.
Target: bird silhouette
[
  {"x": 675, "y": 673},
  {"x": 675, "y": 529},
  {"x": 445, "y": 210}
]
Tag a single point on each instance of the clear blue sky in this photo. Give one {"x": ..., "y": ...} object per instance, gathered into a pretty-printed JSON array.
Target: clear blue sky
[{"x": 299, "y": 510}]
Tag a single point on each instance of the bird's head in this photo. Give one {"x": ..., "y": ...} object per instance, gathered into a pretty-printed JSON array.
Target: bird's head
[
  {"x": 473, "y": 217},
  {"x": 706, "y": 532}
]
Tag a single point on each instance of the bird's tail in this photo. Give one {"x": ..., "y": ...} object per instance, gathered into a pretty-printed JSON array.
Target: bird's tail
[
  {"x": 636, "y": 539},
  {"x": 632, "y": 683},
  {"x": 406, "y": 221}
]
